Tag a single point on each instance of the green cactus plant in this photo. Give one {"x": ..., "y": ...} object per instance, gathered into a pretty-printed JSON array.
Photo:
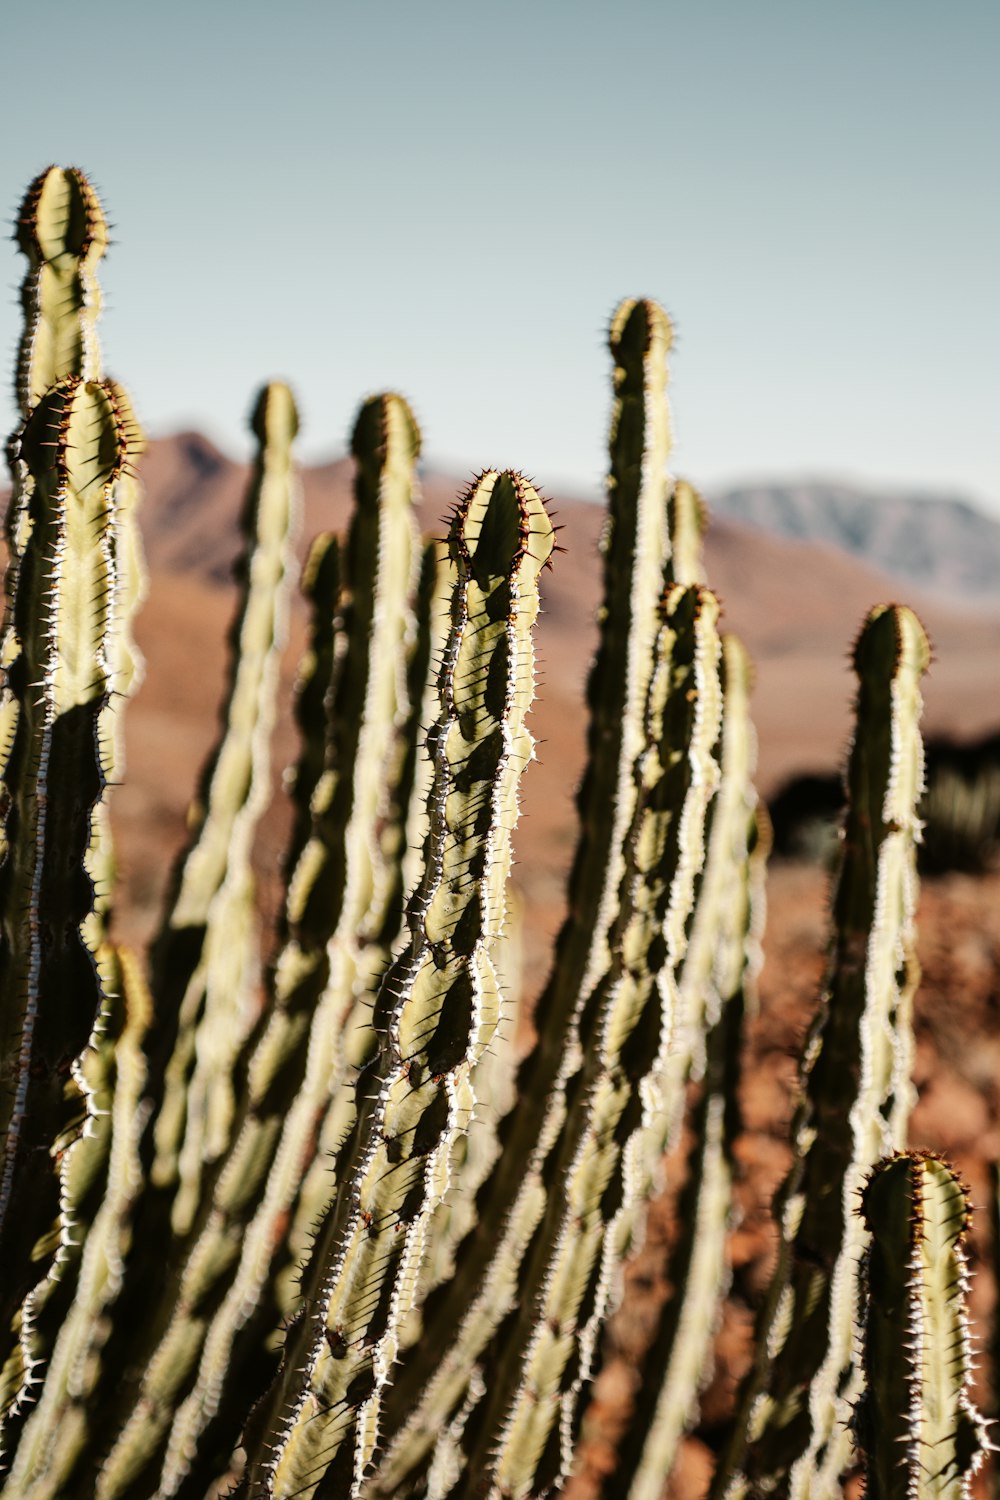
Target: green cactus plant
[
  {"x": 291, "y": 1250},
  {"x": 919, "y": 1433}
]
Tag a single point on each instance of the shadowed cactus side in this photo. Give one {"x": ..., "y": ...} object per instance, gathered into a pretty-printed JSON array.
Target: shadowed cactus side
[
  {"x": 262, "y": 1230},
  {"x": 919, "y": 1433}
]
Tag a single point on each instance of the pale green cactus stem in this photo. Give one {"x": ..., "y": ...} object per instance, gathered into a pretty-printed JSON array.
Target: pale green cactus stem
[
  {"x": 203, "y": 964},
  {"x": 636, "y": 550},
  {"x": 224, "y": 1306},
  {"x": 722, "y": 951},
  {"x": 74, "y": 446},
  {"x": 687, "y": 518},
  {"x": 404, "y": 818},
  {"x": 717, "y": 982},
  {"x": 475, "y": 1153},
  {"x": 855, "y": 1089},
  {"x": 103, "y": 1179},
  {"x": 436, "y": 1013},
  {"x": 918, "y": 1431},
  {"x": 404, "y": 824},
  {"x": 673, "y": 1371},
  {"x": 315, "y": 685},
  {"x": 574, "y": 1270},
  {"x": 62, "y": 233}
]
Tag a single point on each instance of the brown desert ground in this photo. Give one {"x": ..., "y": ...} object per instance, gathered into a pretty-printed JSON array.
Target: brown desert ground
[{"x": 798, "y": 607}]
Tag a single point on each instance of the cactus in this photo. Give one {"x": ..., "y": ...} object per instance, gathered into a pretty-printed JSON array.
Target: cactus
[
  {"x": 639, "y": 555},
  {"x": 916, "y": 1426},
  {"x": 437, "y": 1008},
  {"x": 259, "y": 1223},
  {"x": 73, "y": 446},
  {"x": 716, "y": 986},
  {"x": 855, "y": 1088}
]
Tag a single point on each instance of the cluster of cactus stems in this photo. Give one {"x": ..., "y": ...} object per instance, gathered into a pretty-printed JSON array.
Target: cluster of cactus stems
[{"x": 265, "y": 1227}]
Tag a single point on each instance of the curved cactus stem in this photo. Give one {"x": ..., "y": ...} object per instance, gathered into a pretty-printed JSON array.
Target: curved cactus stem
[
  {"x": 636, "y": 550},
  {"x": 203, "y": 961},
  {"x": 855, "y": 1091},
  {"x": 436, "y": 1013},
  {"x": 293, "y": 1060},
  {"x": 574, "y": 1269},
  {"x": 920, "y": 1435},
  {"x": 100, "y": 1184},
  {"x": 74, "y": 446}
]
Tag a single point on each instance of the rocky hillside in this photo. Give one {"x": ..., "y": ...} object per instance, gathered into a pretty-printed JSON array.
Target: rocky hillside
[{"x": 943, "y": 545}]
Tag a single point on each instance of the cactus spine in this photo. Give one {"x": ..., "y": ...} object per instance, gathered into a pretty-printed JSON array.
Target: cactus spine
[{"x": 918, "y": 1431}]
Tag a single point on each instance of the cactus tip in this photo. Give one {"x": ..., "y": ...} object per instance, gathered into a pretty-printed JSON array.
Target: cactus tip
[
  {"x": 891, "y": 636},
  {"x": 275, "y": 415},
  {"x": 637, "y": 325}
]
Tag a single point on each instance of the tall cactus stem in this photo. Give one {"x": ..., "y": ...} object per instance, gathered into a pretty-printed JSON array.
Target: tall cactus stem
[
  {"x": 203, "y": 963},
  {"x": 636, "y": 550},
  {"x": 74, "y": 445},
  {"x": 100, "y": 1184},
  {"x": 920, "y": 1435},
  {"x": 855, "y": 1090},
  {"x": 62, "y": 232},
  {"x": 674, "y": 1368},
  {"x": 573, "y": 1273},
  {"x": 436, "y": 1013}
]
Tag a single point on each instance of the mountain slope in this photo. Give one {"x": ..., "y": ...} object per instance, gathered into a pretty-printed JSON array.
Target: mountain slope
[{"x": 943, "y": 545}]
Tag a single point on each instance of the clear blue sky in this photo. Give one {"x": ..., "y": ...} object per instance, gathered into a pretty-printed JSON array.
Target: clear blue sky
[{"x": 449, "y": 199}]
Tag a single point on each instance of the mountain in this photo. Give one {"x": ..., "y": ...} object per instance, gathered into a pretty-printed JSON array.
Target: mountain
[{"x": 943, "y": 545}]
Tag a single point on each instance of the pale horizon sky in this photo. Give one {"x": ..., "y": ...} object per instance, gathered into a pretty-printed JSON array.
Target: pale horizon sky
[{"x": 449, "y": 201}]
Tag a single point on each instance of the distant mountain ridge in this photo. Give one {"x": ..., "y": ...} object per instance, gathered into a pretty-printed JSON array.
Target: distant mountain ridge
[{"x": 943, "y": 544}]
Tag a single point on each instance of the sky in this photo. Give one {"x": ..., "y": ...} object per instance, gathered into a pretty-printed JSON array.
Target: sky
[{"x": 449, "y": 199}]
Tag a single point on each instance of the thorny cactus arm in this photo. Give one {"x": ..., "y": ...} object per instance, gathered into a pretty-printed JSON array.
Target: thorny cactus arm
[
  {"x": 675, "y": 1367},
  {"x": 61, "y": 230},
  {"x": 400, "y": 842},
  {"x": 436, "y": 1012},
  {"x": 62, "y": 233},
  {"x": 636, "y": 549},
  {"x": 855, "y": 1089},
  {"x": 573, "y": 1271},
  {"x": 74, "y": 446},
  {"x": 102, "y": 1180},
  {"x": 717, "y": 983},
  {"x": 919, "y": 1434},
  {"x": 203, "y": 961},
  {"x": 315, "y": 686}
]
